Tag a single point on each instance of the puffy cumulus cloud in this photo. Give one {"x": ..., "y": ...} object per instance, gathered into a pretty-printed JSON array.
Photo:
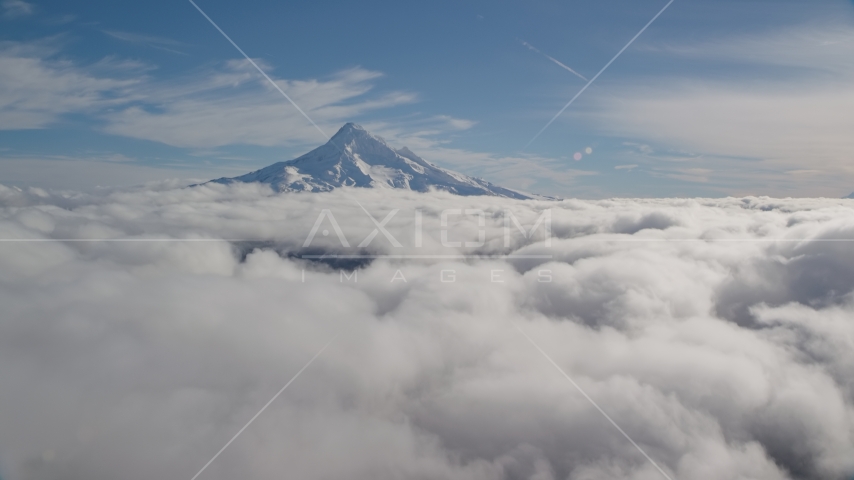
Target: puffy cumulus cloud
[{"x": 716, "y": 333}]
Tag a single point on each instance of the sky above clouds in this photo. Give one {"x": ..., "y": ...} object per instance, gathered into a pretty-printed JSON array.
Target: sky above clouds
[{"x": 716, "y": 98}]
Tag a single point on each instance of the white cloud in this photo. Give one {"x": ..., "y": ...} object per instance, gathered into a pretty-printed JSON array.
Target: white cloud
[
  {"x": 526, "y": 172},
  {"x": 720, "y": 348},
  {"x": 233, "y": 105},
  {"x": 36, "y": 88},
  {"x": 221, "y": 106},
  {"x": 785, "y": 104},
  {"x": 237, "y": 106},
  {"x": 531, "y": 173},
  {"x": 17, "y": 8},
  {"x": 816, "y": 47},
  {"x": 786, "y": 128}
]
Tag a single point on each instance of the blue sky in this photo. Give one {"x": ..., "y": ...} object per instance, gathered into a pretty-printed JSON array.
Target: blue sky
[{"x": 716, "y": 98}]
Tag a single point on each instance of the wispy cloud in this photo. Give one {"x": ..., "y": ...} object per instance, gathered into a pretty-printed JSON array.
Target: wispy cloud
[
  {"x": 807, "y": 47},
  {"x": 528, "y": 172},
  {"x": 36, "y": 88},
  {"x": 590, "y": 82},
  {"x": 793, "y": 110},
  {"x": 231, "y": 105},
  {"x": 234, "y": 105},
  {"x": 457, "y": 123},
  {"x": 17, "y": 8},
  {"x": 531, "y": 173},
  {"x": 227, "y": 104}
]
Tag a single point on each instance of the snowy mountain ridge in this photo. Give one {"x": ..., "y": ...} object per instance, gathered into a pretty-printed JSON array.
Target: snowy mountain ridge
[{"x": 355, "y": 158}]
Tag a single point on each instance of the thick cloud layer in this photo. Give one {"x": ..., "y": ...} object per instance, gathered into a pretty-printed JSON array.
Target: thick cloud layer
[{"x": 717, "y": 333}]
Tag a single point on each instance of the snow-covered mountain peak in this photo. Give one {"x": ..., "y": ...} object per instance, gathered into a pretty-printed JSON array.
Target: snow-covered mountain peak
[
  {"x": 352, "y": 132},
  {"x": 354, "y": 157}
]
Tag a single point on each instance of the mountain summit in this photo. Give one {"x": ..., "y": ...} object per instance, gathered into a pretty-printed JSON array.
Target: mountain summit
[{"x": 355, "y": 158}]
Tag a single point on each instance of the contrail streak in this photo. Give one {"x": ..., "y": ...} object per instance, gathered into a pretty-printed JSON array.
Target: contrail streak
[
  {"x": 600, "y": 73},
  {"x": 274, "y": 84},
  {"x": 534, "y": 49}
]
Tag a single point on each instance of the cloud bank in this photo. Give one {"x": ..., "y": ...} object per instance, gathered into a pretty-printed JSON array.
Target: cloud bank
[{"x": 716, "y": 333}]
